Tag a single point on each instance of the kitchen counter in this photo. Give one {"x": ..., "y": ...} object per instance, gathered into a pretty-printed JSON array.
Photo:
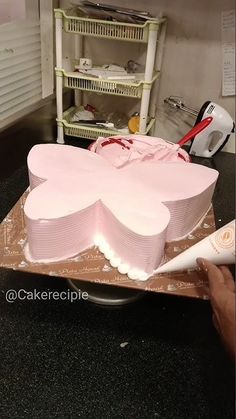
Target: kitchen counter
[{"x": 66, "y": 360}]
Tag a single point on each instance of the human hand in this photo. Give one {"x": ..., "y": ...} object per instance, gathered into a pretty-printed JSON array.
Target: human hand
[{"x": 222, "y": 297}]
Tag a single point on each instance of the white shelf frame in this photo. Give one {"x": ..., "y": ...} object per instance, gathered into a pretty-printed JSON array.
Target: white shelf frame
[{"x": 153, "y": 58}]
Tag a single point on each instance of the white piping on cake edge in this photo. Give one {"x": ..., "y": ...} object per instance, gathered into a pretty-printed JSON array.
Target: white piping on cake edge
[
  {"x": 116, "y": 262},
  {"x": 104, "y": 248}
]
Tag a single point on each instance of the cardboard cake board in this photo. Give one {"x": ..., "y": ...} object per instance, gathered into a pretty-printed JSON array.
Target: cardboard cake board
[{"x": 91, "y": 266}]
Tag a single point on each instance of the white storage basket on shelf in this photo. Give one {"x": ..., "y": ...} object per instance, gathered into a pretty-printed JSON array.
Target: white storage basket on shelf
[
  {"x": 105, "y": 29},
  {"x": 76, "y": 130},
  {"x": 75, "y": 80}
]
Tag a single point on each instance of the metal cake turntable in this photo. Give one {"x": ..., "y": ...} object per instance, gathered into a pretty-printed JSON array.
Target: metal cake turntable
[{"x": 106, "y": 294}]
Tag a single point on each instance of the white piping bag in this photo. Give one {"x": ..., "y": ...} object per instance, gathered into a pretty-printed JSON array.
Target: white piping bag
[{"x": 219, "y": 248}]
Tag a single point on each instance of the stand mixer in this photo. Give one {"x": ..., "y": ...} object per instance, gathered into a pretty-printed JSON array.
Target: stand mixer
[{"x": 215, "y": 135}]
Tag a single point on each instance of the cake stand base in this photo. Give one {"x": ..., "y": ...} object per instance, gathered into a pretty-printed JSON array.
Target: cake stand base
[{"x": 106, "y": 294}]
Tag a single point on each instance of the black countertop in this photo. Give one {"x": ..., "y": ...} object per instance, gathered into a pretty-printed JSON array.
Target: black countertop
[{"x": 64, "y": 360}]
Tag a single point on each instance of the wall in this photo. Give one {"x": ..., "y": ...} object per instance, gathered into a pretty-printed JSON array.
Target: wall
[
  {"x": 11, "y": 10},
  {"x": 191, "y": 63}
]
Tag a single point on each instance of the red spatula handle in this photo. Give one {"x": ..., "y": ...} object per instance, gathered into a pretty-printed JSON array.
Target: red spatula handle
[{"x": 195, "y": 130}]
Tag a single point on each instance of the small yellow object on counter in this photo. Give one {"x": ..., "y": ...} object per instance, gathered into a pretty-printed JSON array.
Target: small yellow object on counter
[{"x": 133, "y": 124}]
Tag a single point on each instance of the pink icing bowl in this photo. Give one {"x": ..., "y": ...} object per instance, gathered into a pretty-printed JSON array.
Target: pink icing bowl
[{"x": 125, "y": 150}]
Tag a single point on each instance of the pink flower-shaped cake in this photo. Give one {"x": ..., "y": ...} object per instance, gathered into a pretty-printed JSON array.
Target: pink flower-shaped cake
[{"x": 78, "y": 199}]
